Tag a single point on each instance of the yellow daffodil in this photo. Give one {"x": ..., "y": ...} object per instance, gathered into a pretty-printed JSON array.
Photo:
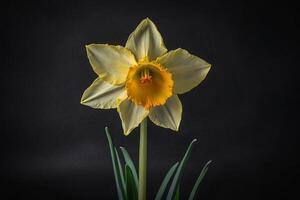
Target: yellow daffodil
[{"x": 143, "y": 79}]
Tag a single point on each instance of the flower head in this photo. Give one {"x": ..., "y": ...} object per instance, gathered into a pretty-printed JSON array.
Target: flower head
[{"x": 143, "y": 79}]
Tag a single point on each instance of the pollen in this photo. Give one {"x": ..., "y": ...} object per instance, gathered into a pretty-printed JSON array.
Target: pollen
[
  {"x": 145, "y": 77},
  {"x": 149, "y": 84}
]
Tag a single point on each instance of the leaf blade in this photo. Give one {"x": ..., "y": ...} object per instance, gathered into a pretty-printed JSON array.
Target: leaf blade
[
  {"x": 130, "y": 164},
  {"x": 178, "y": 173},
  {"x": 177, "y": 195},
  {"x": 131, "y": 190},
  {"x": 199, "y": 180},
  {"x": 165, "y": 182},
  {"x": 120, "y": 189},
  {"x": 119, "y": 168}
]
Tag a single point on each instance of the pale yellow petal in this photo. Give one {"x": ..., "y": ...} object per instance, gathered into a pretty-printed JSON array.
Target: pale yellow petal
[
  {"x": 145, "y": 42},
  {"x": 111, "y": 63},
  {"x": 131, "y": 115},
  {"x": 167, "y": 115},
  {"x": 102, "y": 95},
  {"x": 187, "y": 70}
]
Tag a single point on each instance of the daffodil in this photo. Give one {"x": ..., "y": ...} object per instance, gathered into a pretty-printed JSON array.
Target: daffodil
[{"x": 143, "y": 78}]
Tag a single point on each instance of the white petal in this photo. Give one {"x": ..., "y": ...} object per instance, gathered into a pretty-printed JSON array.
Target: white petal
[
  {"x": 167, "y": 115},
  {"x": 131, "y": 115},
  {"x": 111, "y": 63},
  {"x": 145, "y": 42},
  {"x": 102, "y": 95},
  {"x": 187, "y": 70}
]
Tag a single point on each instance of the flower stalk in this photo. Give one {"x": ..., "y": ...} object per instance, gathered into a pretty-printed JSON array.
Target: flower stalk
[{"x": 143, "y": 161}]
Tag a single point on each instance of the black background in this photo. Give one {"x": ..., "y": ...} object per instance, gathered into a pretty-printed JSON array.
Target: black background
[{"x": 243, "y": 115}]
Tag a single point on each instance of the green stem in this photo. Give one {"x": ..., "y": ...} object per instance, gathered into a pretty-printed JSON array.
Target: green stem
[{"x": 143, "y": 160}]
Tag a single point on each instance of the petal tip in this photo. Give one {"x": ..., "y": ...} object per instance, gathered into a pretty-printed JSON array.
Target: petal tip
[
  {"x": 148, "y": 20},
  {"x": 127, "y": 132},
  {"x": 82, "y": 100},
  {"x": 88, "y": 46}
]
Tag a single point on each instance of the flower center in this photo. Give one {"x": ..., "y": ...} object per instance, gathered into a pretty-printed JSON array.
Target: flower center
[
  {"x": 146, "y": 78},
  {"x": 149, "y": 84}
]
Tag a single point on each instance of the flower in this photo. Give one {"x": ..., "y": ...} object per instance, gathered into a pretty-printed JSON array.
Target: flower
[{"x": 143, "y": 79}]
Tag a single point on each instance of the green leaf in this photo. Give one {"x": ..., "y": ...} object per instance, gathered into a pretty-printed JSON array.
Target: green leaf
[
  {"x": 178, "y": 173},
  {"x": 165, "y": 182},
  {"x": 177, "y": 193},
  {"x": 130, "y": 164},
  {"x": 199, "y": 179},
  {"x": 131, "y": 189},
  {"x": 120, "y": 171},
  {"x": 120, "y": 189}
]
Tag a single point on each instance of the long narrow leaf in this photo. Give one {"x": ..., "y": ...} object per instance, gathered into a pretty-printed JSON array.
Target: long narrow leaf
[
  {"x": 177, "y": 195},
  {"x": 165, "y": 182},
  {"x": 178, "y": 173},
  {"x": 199, "y": 179},
  {"x": 131, "y": 190},
  {"x": 120, "y": 190},
  {"x": 130, "y": 164},
  {"x": 120, "y": 171}
]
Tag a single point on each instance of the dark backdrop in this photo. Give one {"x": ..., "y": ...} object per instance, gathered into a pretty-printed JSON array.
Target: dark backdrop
[{"x": 243, "y": 114}]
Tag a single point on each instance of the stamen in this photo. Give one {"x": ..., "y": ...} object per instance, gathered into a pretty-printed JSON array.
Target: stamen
[{"x": 145, "y": 76}]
